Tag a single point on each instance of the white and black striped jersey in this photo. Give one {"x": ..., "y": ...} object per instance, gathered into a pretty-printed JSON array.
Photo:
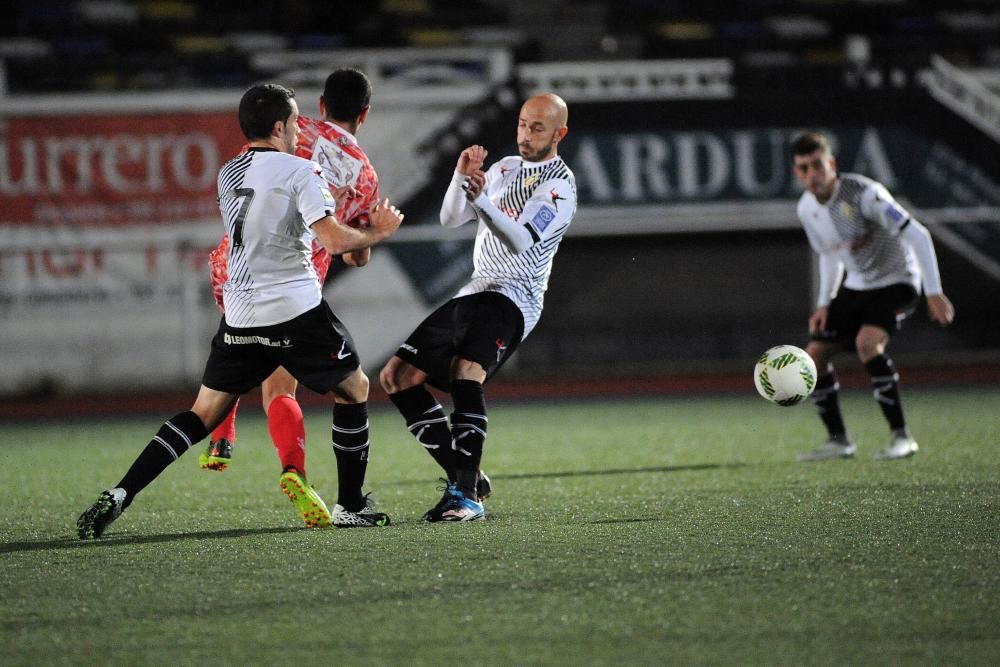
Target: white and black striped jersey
[
  {"x": 541, "y": 196},
  {"x": 268, "y": 200},
  {"x": 860, "y": 227}
]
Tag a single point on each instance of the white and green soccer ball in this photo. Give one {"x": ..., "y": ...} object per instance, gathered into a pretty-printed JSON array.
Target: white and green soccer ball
[{"x": 785, "y": 375}]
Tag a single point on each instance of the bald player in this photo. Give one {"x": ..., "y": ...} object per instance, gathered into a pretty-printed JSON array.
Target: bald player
[{"x": 524, "y": 204}]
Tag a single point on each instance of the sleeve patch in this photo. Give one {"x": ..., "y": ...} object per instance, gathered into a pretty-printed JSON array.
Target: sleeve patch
[
  {"x": 895, "y": 214},
  {"x": 543, "y": 218}
]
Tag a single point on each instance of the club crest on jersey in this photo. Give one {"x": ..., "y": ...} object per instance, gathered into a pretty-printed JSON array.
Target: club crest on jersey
[
  {"x": 542, "y": 219},
  {"x": 339, "y": 168},
  {"x": 556, "y": 198},
  {"x": 846, "y": 209},
  {"x": 530, "y": 180}
]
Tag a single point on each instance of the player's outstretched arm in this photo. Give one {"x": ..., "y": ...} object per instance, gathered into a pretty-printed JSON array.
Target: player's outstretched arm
[{"x": 339, "y": 239}]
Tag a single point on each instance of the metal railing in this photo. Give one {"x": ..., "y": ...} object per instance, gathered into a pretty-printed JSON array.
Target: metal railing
[
  {"x": 631, "y": 80},
  {"x": 964, "y": 94}
]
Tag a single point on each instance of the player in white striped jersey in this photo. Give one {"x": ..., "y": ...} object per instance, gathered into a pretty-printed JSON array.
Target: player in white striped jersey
[
  {"x": 853, "y": 223},
  {"x": 524, "y": 204},
  {"x": 275, "y": 314},
  {"x": 331, "y": 142}
]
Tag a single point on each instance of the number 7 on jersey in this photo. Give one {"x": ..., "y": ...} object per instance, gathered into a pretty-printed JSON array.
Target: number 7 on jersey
[{"x": 236, "y": 231}]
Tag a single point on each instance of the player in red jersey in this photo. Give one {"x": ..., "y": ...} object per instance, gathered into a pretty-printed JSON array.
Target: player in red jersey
[{"x": 331, "y": 143}]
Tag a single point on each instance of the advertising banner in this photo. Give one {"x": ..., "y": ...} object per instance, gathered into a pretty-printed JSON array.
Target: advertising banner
[
  {"x": 105, "y": 225},
  {"x": 98, "y": 170},
  {"x": 720, "y": 179},
  {"x": 753, "y": 164}
]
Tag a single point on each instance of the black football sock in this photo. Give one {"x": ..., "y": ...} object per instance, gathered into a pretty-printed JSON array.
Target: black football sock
[
  {"x": 885, "y": 388},
  {"x": 350, "y": 445},
  {"x": 177, "y": 435},
  {"x": 826, "y": 398},
  {"x": 427, "y": 422},
  {"x": 468, "y": 433}
]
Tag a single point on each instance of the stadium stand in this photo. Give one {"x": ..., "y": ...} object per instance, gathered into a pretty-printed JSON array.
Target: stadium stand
[{"x": 156, "y": 44}]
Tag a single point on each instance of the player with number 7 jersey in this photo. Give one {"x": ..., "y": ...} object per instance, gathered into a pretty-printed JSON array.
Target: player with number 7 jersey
[
  {"x": 330, "y": 142},
  {"x": 275, "y": 318},
  {"x": 347, "y": 170}
]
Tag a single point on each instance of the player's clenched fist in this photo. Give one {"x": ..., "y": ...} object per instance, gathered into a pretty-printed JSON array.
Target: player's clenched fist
[
  {"x": 474, "y": 184},
  {"x": 471, "y": 160}
]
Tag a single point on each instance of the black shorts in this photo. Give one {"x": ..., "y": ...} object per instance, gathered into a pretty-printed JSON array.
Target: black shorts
[
  {"x": 315, "y": 348},
  {"x": 485, "y": 328},
  {"x": 885, "y": 307}
]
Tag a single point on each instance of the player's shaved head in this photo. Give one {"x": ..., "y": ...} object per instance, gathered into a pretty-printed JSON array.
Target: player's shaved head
[
  {"x": 548, "y": 105},
  {"x": 541, "y": 125}
]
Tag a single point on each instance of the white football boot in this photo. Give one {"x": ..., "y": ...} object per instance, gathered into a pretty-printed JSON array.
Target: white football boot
[
  {"x": 829, "y": 450},
  {"x": 899, "y": 448}
]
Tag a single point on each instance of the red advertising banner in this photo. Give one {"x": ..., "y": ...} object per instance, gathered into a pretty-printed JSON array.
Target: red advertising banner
[{"x": 106, "y": 169}]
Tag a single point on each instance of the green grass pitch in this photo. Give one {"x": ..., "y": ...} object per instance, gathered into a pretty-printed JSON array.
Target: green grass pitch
[{"x": 631, "y": 531}]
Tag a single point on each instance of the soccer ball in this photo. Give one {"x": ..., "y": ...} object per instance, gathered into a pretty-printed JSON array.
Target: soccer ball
[{"x": 785, "y": 375}]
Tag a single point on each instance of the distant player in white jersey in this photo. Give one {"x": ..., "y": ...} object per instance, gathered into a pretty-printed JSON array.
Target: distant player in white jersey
[
  {"x": 275, "y": 314},
  {"x": 853, "y": 223},
  {"x": 524, "y": 204}
]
